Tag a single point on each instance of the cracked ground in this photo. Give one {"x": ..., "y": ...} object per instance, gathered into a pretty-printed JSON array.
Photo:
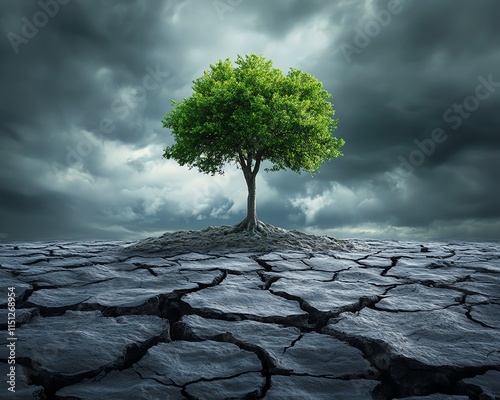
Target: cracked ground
[{"x": 382, "y": 320}]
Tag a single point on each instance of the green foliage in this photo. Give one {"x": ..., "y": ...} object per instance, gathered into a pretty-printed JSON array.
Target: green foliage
[{"x": 251, "y": 112}]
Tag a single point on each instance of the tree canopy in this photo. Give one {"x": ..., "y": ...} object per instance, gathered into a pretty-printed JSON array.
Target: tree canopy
[{"x": 251, "y": 112}]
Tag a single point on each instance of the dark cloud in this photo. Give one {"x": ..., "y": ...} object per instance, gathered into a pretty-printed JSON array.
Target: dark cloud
[{"x": 81, "y": 135}]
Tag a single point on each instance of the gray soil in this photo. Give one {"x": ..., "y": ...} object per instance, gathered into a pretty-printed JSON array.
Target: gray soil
[{"x": 222, "y": 240}]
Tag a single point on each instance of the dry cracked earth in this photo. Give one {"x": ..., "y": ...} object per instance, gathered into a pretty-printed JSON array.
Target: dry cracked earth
[{"x": 379, "y": 320}]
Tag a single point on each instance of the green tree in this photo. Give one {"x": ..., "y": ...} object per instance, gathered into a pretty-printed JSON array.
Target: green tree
[{"x": 249, "y": 113}]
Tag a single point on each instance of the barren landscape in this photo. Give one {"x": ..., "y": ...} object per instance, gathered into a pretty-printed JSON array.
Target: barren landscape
[{"x": 319, "y": 319}]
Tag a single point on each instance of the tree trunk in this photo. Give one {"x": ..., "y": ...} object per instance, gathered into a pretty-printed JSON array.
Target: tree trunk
[
  {"x": 250, "y": 223},
  {"x": 251, "y": 219}
]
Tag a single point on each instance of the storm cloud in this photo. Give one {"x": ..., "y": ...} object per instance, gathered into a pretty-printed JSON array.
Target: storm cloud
[{"x": 415, "y": 84}]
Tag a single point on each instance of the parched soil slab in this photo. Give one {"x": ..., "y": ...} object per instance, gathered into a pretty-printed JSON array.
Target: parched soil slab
[
  {"x": 439, "y": 338},
  {"x": 79, "y": 342},
  {"x": 317, "y": 388},
  {"x": 252, "y": 303},
  {"x": 121, "y": 385},
  {"x": 182, "y": 362}
]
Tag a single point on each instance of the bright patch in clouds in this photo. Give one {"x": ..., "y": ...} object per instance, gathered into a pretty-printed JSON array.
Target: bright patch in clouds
[{"x": 335, "y": 200}]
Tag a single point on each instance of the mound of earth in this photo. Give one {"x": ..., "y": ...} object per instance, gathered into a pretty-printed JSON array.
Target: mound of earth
[{"x": 223, "y": 240}]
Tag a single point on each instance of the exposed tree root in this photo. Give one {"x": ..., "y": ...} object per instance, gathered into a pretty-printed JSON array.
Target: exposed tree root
[{"x": 254, "y": 227}]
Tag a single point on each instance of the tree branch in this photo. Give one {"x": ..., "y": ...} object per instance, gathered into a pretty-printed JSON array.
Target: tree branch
[
  {"x": 245, "y": 166},
  {"x": 242, "y": 160},
  {"x": 256, "y": 168},
  {"x": 249, "y": 161},
  {"x": 258, "y": 158}
]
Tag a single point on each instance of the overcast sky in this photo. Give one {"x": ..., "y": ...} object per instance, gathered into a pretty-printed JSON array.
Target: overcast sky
[{"x": 85, "y": 84}]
